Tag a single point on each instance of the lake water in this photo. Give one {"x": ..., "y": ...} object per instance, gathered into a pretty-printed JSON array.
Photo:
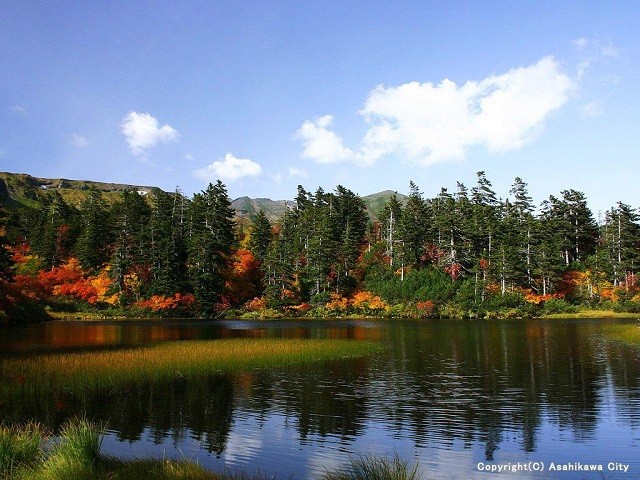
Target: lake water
[{"x": 451, "y": 395}]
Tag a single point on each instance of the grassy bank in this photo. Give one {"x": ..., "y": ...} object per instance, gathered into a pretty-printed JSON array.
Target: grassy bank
[
  {"x": 30, "y": 453},
  {"x": 169, "y": 359},
  {"x": 592, "y": 314}
]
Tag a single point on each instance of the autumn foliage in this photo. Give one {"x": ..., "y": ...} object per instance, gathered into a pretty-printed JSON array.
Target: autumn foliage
[
  {"x": 159, "y": 303},
  {"x": 67, "y": 280}
]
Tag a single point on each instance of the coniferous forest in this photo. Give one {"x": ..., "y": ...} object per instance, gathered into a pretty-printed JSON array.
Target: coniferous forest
[{"x": 463, "y": 254}]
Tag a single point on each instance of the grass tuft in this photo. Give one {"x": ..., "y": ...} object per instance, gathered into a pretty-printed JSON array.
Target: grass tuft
[
  {"x": 19, "y": 448},
  {"x": 375, "y": 468}
]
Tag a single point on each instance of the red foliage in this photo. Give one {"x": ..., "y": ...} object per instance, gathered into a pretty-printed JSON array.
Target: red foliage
[
  {"x": 454, "y": 270},
  {"x": 432, "y": 254}
]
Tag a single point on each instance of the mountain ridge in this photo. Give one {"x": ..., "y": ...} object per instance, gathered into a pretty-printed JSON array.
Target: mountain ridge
[{"x": 24, "y": 190}]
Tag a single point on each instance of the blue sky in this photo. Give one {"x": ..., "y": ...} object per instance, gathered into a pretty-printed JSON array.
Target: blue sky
[{"x": 269, "y": 95}]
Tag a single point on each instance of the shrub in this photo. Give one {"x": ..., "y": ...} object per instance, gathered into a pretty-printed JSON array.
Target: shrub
[{"x": 557, "y": 305}]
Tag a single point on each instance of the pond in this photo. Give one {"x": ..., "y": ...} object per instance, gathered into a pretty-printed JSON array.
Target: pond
[{"x": 456, "y": 396}]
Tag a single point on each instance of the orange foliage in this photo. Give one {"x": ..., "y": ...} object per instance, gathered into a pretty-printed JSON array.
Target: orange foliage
[
  {"x": 532, "y": 297},
  {"x": 245, "y": 278},
  {"x": 159, "y": 303},
  {"x": 256, "y": 304},
  {"x": 337, "y": 303},
  {"x": 484, "y": 264},
  {"x": 367, "y": 301},
  {"x": 425, "y": 308},
  {"x": 300, "y": 309},
  {"x": 68, "y": 279}
]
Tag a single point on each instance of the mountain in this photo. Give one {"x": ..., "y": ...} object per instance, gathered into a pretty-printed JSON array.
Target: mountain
[
  {"x": 19, "y": 189},
  {"x": 273, "y": 209},
  {"x": 376, "y": 201}
]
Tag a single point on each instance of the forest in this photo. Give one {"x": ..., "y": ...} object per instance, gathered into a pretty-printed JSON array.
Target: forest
[{"x": 462, "y": 254}]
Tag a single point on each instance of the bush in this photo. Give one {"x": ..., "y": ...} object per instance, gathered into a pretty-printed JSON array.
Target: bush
[{"x": 557, "y": 305}]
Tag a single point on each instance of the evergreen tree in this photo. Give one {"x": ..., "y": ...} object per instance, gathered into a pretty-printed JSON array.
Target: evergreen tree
[
  {"x": 261, "y": 236},
  {"x": 414, "y": 226},
  {"x": 131, "y": 218},
  {"x": 210, "y": 244},
  {"x": 320, "y": 252},
  {"x": 281, "y": 260},
  {"x": 96, "y": 231},
  {"x": 53, "y": 232},
  {"x": 623, "y": 242},
  {"x": 6, "y": 262},
  {"x": 168, "y": 249}
]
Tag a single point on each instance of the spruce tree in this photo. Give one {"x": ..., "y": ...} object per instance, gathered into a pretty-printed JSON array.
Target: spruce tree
[
  {"x": 261, "y": 236},
  {"x": 211, "y": 240},
  {"x": 414, "y": 226},
  {"x": 131, "y": 218},
  {"x": 6, "y": 262},
  {"x": 95, "y": 237}
]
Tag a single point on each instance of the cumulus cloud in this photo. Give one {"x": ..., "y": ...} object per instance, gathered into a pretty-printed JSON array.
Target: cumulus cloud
[
  {"x": 230, "y": 168},
  {"x": 427, "y": 123},
  {"x": 297, "y": 172},
  {"x": 321, "y": 144},
  {"x": 142, "y": 131},
  {"x": 78, "y": 141}
]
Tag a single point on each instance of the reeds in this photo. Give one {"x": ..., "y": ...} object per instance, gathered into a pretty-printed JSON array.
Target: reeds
[{"x": 104, "y": 369}]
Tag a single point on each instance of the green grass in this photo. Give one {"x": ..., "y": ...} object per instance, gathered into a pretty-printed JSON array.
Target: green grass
[
  {"x": 589, "y": 313},
  {"x": 75, "y": 455},
  {"x": 375, "y": 468},
  {"x": 19, "y": 448},
  {"x": 103, "y": 369}
]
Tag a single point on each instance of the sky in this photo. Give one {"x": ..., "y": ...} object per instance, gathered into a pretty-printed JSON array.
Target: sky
[{"x": 267, "y": 95}]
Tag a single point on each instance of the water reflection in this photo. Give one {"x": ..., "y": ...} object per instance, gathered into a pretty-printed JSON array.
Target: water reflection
[{"x": 478, "y": 390}]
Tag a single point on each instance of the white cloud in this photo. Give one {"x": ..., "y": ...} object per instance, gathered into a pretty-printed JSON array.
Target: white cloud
[
  {"x": 277, "y": 178},
  {"x": 609, "y": 51},
  {"x": 18, "y": 109},
  {"x": 297, "y": 172},
  {"x": 591, "y": 109},
  {"x": 231, "y": 168},
  {"x": 581, "y": 42},
  {"x": 78, "y": 141},
  {"x": 321, "y": 144},
  {"x": 427, "y": 123},
  {"x": 142, "y": 132},
  {"x": 188, "y": 156}
]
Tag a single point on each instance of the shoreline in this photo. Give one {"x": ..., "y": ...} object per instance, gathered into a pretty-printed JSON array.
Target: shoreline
[{"x": 586, "y": 314}]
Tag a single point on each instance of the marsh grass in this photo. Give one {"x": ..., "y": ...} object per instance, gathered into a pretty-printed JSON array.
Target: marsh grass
[
  {"x": 629, "y": 333},
  {"x": 19, "y": 448},
  {"x": 375, "y": 468},
  {"x": 591, "y": 314},
  {"x": 104, "y": 369}
]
